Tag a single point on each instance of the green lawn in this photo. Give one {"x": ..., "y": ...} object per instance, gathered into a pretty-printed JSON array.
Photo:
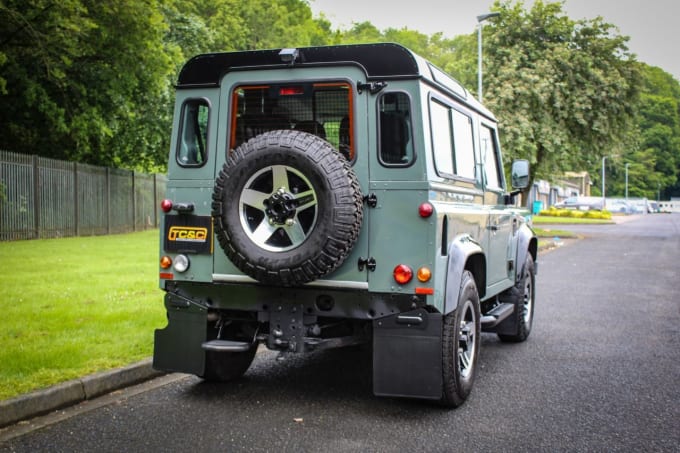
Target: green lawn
[
  {"x": 551, "y": 233},
  {"x": 75, "y": 306}
]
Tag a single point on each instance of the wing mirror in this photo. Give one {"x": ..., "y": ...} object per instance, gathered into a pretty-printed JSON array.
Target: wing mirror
[{"x": 520, "y": 174}]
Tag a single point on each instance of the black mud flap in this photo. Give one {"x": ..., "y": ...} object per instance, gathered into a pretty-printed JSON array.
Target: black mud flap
[
  {"x": 407, "y": 355},
  {"x": 178, "y": 346}
]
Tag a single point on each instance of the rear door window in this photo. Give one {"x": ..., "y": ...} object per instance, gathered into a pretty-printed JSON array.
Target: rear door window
[{"x": 321, "y": 109}]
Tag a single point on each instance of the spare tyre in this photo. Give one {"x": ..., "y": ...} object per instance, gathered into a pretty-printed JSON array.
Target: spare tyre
[{"x": 287, "y": 208}]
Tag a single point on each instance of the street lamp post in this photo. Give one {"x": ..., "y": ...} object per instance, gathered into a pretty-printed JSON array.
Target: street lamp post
[
  {"x": 481, "y": 18},
  {"x": 604, "y": 201},
  {"x": 627, "y": 164}
]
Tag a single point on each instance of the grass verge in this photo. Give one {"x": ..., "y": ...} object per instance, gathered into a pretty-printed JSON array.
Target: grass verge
[
  {"x": 76, "y": 306},
  {"x": 550, "y": 233}
]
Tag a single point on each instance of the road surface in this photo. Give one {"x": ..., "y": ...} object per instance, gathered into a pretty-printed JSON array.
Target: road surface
[{"x": 600, "y": 372}]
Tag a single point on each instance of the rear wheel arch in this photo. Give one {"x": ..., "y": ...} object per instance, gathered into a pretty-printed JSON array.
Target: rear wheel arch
[
  {"x": 526, "y": 244},
  {"x": 464, "y": 255},
  {"x": 476, "y": 264}
]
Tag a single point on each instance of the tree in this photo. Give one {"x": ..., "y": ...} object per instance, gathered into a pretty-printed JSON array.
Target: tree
[
  {"x": 660, "y": 129},
  {"x": 460, "y": 58},
  {"x": 564, "y": 90},
  {"x": 362, "y": 33},
  {"x": 82, "y": 77}
]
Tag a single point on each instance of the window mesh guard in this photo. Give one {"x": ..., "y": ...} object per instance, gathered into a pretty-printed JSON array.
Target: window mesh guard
[{"x": 322, "y": 110}]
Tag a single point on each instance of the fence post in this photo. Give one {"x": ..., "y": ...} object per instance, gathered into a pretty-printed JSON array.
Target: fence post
[
  {"x": 108, "y": 200},
  {"x": 134, "y": 207},
  {"x": 155, "y": 201},
  {"x": 76, "y": 210},
  {"x": 36, "y": 197}
]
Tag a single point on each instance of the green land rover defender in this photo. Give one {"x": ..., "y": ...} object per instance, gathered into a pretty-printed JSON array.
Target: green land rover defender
[{"x": 331, "y": 196}]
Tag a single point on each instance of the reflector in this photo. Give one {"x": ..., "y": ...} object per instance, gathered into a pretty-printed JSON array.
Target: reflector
[
  {"x": 425, "y": 210},
  {"x": 166, "y": 205}
]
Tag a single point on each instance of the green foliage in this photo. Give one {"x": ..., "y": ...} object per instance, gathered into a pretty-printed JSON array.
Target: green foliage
[
  {"x": 98, "y": 312},
  {"x": 93, "y": 81},
  {"x": 654, "y": 163},
  {"x": 564, "y": 90},
  {"x": 81, "y": 76}
]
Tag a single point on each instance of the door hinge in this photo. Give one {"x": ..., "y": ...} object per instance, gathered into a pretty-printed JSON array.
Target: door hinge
[
  {"x": 371, "y": 200},
  {"x": 368, "y": 263},
  {"x": 372, "y": 87}
]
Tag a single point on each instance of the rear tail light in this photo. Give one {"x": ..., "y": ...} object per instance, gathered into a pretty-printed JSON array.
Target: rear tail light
[{"x": 402, "y": 274}]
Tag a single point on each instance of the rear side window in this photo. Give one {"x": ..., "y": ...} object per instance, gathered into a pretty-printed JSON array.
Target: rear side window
[
  {"x": 464, "y": 150},
  {"x": 193, "y": 135},
  {"x": 452, "y": 141},
  {"x": 442, "y": 138},
  {"x": 396, "y": 138}
]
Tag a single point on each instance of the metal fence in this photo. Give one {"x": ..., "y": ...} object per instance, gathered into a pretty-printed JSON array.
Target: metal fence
[{"x": 47, "y": 198}]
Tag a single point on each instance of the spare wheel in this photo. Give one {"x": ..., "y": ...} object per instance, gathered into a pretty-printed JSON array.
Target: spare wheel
[{"x": 287, "y": 208}]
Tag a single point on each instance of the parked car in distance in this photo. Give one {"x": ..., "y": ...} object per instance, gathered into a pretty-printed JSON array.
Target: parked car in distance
[
  {"x": 616, "y": 205},
  {"x": 581, "y": 203}
]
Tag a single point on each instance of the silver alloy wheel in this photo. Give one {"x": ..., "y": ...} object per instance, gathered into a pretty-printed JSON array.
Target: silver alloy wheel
[
  {"x": 278, "y": 208},
  {"x": 466, "y": 340}
]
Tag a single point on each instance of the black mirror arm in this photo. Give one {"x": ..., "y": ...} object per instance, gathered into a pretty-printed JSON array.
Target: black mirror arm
[{"x": 509, "y": 198}]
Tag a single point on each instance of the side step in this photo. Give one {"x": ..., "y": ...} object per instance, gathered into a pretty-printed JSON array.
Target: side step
[
  {"x": 226, "y": 346},
  {"x": 497, "y": 315}
]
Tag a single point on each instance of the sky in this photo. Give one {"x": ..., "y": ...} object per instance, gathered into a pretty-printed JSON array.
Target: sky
[{"x": 652, "y": 25}]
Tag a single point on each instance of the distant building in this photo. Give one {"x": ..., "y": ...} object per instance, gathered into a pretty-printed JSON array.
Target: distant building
[
  {"x": 670, "y": 206},
  {"x": 579, "y": 180},
  {"x": 571, "y": 184}
]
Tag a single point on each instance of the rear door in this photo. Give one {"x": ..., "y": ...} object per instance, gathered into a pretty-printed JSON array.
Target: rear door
[{"x": 320, "y": 101}]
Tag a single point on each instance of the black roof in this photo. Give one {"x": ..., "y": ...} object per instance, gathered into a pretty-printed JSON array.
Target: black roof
[{"x": 384, "y": 60}]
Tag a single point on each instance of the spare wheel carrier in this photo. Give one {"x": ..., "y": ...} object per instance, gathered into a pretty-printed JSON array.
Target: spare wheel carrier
[{"x": 287, "y": 208}]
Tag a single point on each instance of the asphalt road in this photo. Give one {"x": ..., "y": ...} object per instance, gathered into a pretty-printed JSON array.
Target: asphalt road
[{"x": 600, "y": 372}]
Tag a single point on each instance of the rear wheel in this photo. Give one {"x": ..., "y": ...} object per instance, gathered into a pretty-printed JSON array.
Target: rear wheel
[{"x": 460, "y": 344}]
